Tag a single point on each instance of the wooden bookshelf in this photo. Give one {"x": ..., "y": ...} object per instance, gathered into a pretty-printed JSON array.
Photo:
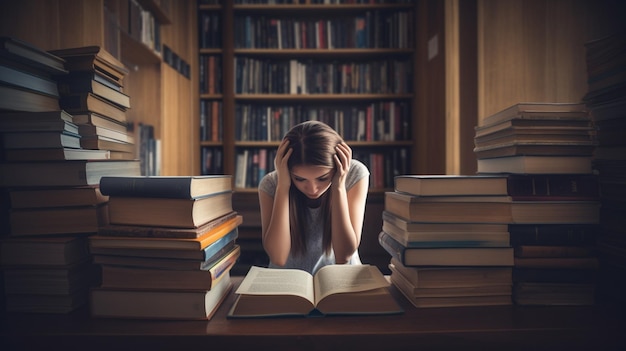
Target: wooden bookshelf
[
  {"x": 231, "y": 48},
  {"x": 161, "y": 95}
]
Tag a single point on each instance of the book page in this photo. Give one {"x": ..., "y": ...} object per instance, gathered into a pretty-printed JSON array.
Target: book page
[
  {"x": 274, "y": 281},
  {"x": 334, "y": 279}
]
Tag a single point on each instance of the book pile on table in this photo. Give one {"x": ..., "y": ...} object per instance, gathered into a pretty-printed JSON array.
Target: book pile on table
[
  {"x": 448, "y": 240},
  {"x": 93, "y": 92},
  {"x": 555, "y": 207},
  {"x": 49, "y": 184},
  {"x": 169, "y": 248},
  {"x": 606, "y": 100}
]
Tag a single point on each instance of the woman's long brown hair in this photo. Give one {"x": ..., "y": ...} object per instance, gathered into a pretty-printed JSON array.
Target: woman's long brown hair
[{"x": 313, "y": 144}]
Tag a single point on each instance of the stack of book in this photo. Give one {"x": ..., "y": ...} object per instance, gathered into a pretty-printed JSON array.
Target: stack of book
[
  {"x": 554, "y": 193},
  {"x": 51, "y": 201},
  {"x": 169, "y": 248},
  {"x": 93, "y": 92},
  {"x": 606, "y": 99},
  {"x": 448, "y": 240}
]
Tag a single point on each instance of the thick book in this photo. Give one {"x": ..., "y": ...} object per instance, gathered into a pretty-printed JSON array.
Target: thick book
[
  {"x": 539, "y": 110},
  {"x": 159, "y": 304},
  {"x": 42, "y": 121},
  {"x": 447, "y": 239},
  {"x": 168, "y": 212},
  {"x": 88, "y": 102},
  {"x": 44, "y": 251},
  {"x": 26, "y": 80},
  {"x": 77, "y": 84},
  {"x": 55, "y": 154},
  {"x": 180, "y": 254},
  {"x": 553, "y": 187},
  {"x": 21, "y": 51},
  {"x": 535, "y": 149},
  {"x": 408, "y": 290},
  {"x": 570, "y": 234},
  {"x": 96, "y": 120},
  {"x": 438, "y": 185},
  {"x": 105, "y": 143},
  {"x": 442, "y": 227},
  {"x": 334, "y": 289},
  {"x": 554, "y": 251},
  {"x": 57, "y": 280},
  {"x": 176, "y": 263},
  {"x": 198, "y": 243},
  {"x": 40, "y": 140},
  {"x": 91, "y": 131},
  {"x": 56, "y": 197},
  {"x": 64, "y": 173},
  {"x": 128, "y": 277},
  {"x": 93, "y": 59},
  {"x": 536, "y": 164},
  {"x": 451, "y": 277},
  {"x": 165, "y": 232},
  {"x": 57, "y": 220},
  {"x": 456, "y": 209},
  {"x": 535, "y": 127},
  {"x": 555, "y": 212},
  {"x": 446, "y": 256},
  {"x": 19, "y": 99},
  {"x": 181, "y": 187}
]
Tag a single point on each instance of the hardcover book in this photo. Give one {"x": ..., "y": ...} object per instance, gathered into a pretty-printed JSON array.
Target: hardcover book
[
  {"x": 446, "y": 256},
  {"x": 159, "y": 304},
  {"x": 438, "y": 185},
  {"x": 64, "y": 173},
  {"x": 334, "y": 289},
  {"x": 198, "y": 243},
  {"x": 181, "y": 187},
  {"x": 129, "y": 277},
  {"x": 169, "y": 212}
]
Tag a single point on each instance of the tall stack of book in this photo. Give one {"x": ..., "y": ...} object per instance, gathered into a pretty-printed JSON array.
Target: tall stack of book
[
  {"x": 606, "y": 99},
  {"x": 93, "y": 92},
  {"x": 448, "y": 240},
  {"x": 169, "y": 248},
  {"x": 546, "y": 151},
  {"x": 51, "y": 201}
]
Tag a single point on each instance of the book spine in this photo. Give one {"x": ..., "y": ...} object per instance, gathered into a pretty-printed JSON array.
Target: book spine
[
  {"x": 554, "y": 187},
  {"x": 393, "y": 247},
  {"x": 143, "y": 187}
]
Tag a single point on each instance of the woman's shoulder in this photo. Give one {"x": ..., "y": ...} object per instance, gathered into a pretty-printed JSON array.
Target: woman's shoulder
[
  {"x": 358, "y": 170},
  {"x": 268, "y": 183}
]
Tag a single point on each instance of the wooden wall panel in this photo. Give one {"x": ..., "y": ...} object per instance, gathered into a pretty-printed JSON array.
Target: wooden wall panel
[{"x": 534, "y": 50}]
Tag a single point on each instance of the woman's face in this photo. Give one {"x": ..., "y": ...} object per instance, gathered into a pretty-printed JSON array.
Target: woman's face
[{"x": 312, "y": 181}]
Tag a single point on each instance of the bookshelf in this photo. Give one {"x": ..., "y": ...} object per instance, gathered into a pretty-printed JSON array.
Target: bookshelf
[
  {"x": 159, "y": 55},
  {"x": 350, "y": 65}
]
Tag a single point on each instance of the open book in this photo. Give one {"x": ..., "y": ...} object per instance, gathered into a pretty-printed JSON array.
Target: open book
[{"x": 334, "y": 289}]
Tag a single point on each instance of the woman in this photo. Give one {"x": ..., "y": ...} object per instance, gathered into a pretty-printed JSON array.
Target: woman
[{"x": 313, "y": 203}]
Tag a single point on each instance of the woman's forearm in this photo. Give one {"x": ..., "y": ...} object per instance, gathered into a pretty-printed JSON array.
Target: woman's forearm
[
  {"x": 276, "y": 237},
  {"x": 345, "y": 240}
]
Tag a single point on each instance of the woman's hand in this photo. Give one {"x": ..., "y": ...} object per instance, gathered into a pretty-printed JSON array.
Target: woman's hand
[
  {"x": 280, "y": 164},
  {"x": 342, "y": 161}
]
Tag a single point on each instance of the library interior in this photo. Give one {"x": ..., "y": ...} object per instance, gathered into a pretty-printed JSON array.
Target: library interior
[{"x": 134, "y": 135}]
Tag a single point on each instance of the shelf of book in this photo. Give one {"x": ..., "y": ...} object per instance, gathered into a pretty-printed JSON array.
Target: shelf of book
[{"x": 294, "y": 62}]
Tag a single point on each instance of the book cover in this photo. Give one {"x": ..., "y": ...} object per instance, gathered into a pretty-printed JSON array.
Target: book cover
[
  {"x": 438, "y": 185},
  {"x": 446, "y": 256},
  {"x": 56, "y": 197},
  {"x": 456, "y": 209},
  {"x": 334, "y": 289},
  {"x": 57, "y": 220},
  {"x": 55, "y": 154},
  {"x": 181, "y": 187},
  {"x": 539, "y": 110}
]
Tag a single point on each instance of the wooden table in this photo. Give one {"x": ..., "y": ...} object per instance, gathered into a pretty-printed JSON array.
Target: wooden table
[{"x": 467, "y": 328}]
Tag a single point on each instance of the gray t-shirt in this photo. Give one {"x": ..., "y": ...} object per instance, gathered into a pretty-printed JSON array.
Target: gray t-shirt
[{"x": 315, "y": 258}]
